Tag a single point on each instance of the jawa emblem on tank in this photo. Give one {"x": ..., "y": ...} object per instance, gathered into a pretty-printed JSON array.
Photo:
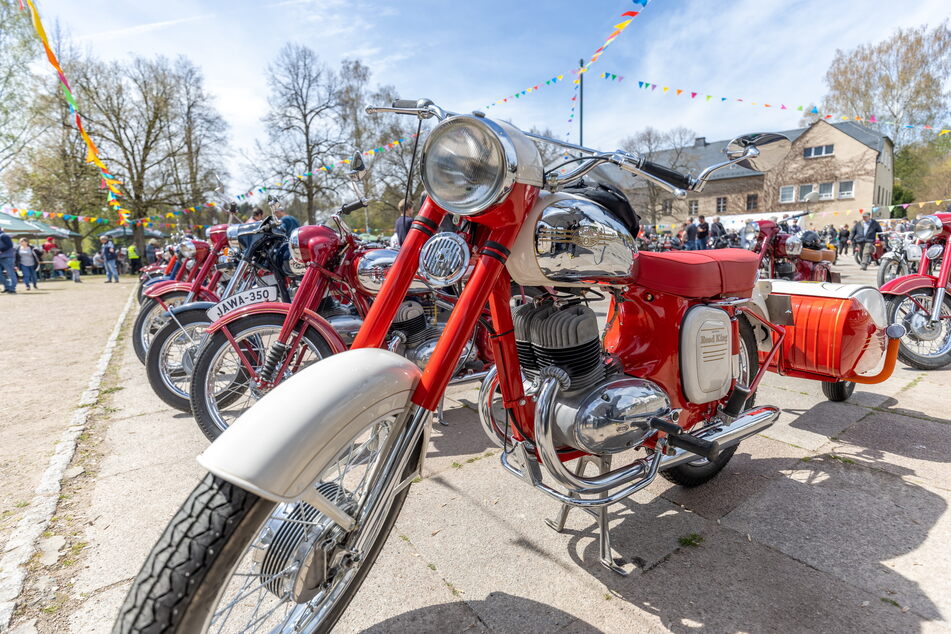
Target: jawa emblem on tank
[{"x": 588, "y": 236}]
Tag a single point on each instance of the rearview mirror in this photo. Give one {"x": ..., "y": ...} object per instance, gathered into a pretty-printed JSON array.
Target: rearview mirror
[
  {"x": 759, "y": 152},
  {"x": 357, "y": 166}
]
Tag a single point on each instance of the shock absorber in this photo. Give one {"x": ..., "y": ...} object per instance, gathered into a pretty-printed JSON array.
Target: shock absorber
[{"x": 274, "y": 356}]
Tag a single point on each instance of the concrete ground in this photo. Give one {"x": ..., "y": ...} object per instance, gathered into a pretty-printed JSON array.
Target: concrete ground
[{"x": 834, "y": 519}]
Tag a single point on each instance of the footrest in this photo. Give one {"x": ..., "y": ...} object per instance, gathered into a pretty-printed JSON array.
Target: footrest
[{"x": 677, "y": 437}]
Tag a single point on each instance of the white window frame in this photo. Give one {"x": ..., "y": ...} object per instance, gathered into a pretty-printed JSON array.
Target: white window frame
[
  {"x": 723, "y": 198},
  {"x": 693, "y": 206},
  {"x": 811, "y": 153},
  {"x": 850, "y": 193},
  {"x": 755, "y": 199},
  {"x": 792, "y": 194},
  {"x": 667, "y": 205},
  {"x": 799, "y": 195},
  {"x": 831, "y": 193}
]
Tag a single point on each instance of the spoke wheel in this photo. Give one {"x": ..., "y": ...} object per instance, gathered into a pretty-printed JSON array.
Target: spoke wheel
[
  {"x": 925, "y": 346},
  {"x": 151, "y": 319},
  {"x": 222, "y": 388},
  {"x": 891, "y": 269},
  {"x": 230, "y": 561},
  {"x": 170, "y": 361}
]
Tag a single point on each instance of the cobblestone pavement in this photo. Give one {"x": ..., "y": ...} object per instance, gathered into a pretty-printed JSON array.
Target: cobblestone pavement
[{"x": 835, "y": 519}]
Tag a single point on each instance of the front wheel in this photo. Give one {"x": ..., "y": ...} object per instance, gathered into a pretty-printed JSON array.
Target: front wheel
[
  {"x": 700, "y": 471},
  {"x": 151, "y": 319},
  {"x": 890, "y": 269},
  {"x": 230, "y": 561},
  {"x": 926, "y": 345},
  {"x": 170, "y": 361},
  {"x": 230, "y": 376}
]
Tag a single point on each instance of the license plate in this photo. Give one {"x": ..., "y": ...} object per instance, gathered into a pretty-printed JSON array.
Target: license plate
[{"x": 240, "y": 300}]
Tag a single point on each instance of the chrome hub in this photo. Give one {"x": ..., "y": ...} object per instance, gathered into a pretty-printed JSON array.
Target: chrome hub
[{"x": 922, "y": 328}]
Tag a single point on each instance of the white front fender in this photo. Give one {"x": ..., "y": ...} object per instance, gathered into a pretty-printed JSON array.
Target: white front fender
[{"x": 277, "y": 448}]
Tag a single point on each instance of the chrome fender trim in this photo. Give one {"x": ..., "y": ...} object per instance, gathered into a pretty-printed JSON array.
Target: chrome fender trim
[{"x": 277, "y": 447}]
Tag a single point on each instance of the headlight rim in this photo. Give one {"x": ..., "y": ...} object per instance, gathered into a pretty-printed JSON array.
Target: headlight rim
[
  {"x": 935, "y": 225},
  {"x": 793, "y": 245},
  {"x": 187, "y": 248},
  {"x": 293, "y": 246},
  {"x": 507, "y": 153}
]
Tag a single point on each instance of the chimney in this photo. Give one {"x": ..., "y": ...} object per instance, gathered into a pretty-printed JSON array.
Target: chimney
[{"x": 700, "y": 141}]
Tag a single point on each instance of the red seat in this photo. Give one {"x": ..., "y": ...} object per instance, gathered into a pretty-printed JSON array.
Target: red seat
[{"x": 713, "y": 273}]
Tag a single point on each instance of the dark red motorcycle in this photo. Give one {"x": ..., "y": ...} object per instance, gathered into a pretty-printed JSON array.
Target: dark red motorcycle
[
  {"x": 787, "y": 256},
  {"x": 920, "y": 301}
]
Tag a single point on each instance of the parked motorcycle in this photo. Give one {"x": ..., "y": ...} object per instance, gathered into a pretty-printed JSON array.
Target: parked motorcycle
[
  {"x": 790, "y": 256},
  {"x": 305, "y": 487},
  {"x": 902, "y": 254},
  {"x": 920, "y": 300},
  {"x": 258, "y": 271}
]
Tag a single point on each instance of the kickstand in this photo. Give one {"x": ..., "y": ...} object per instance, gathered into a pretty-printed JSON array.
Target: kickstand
[
  {"x": 609, "y": 558},
  {"x": 440, "y": 417}
]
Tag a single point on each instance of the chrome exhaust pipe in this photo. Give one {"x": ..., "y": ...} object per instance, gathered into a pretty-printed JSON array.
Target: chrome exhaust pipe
[{"x": 747, "y": 424}]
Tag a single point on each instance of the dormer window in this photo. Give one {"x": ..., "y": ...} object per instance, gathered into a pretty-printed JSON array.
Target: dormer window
[{"x": 817, "y": 151}]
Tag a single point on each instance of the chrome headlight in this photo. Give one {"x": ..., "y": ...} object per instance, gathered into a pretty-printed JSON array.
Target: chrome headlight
[
  {"x": 189, "y": 265},
  {"x": 293, "y": 245},
  {"x": 232, "y": 233},
  {"x": 934, "y": 252},
  {"x": 187, "y": 248},
  {"x": 751, "y": 231},
  {"x": 927, "y": 227},
  {"x": 793, "y": 245},
  {"x": 469, "y": 164}
]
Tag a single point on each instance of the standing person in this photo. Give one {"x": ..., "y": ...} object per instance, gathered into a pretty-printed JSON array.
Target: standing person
[
  {"x": 257, "y": 215},
  {"x": 690, "y": 236},
  {"x": 150, "y": 249},
  {"x": 844, "y": 239},
  {"x": 85, "y": 263},
  {"x": 49, "y": 245},
  {"x": 60, "y": 264},
  {"x": 289, "y": 222},
  {"x": 404, "y": 220},
  {"x": 110, "y": 257},
  {"x": 717, "y": 230},
  {"x": 703, "y": 233},
  {"x": 133, "y": 258},
  {"x": 7, "y": 263},
  {"x": 794, "y": 228},
  {"x": 74, "y": 268},
  {"x": 97, "y": 263},
  {"x": 863, "y": 237},
  {"x": 28, "y": 261}
]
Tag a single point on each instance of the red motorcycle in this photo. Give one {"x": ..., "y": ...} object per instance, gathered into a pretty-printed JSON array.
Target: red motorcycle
[
  {"x": 920, "y": 301},
  {"x": 197, "y": 280},
  {"x": 257, "y": 345},
  {"x": 305, "y": 487},
  {"x": 787, "y": 256}
]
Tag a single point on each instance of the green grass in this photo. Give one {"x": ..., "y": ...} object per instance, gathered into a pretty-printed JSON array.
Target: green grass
[
  {"x": 841, "y": 459},
  {"x": 891, "y": 602},
  {"x": 691, "y": 541}
]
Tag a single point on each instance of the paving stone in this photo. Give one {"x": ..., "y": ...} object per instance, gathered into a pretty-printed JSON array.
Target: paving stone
[
  {"x": 49, "y": 549},
  {"x": 806, "y": 421},
  {"x": 866, "y": 527}
]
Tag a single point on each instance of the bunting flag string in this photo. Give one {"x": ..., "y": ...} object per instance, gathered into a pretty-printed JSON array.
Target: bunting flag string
[
  {"x": 881, "y": 208},
  {"x": 804, "y": 109},
  {"x": 92, "y": 155}
]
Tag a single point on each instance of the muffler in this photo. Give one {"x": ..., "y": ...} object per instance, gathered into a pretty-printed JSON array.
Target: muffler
[{"x": 747, "y": 424}]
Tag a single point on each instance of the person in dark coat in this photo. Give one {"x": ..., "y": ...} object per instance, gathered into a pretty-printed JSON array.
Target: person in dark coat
[{"x": 863, "y": 237}]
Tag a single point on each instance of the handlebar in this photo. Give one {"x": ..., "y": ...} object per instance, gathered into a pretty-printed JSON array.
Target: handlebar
[
  {"x": 661, "y": 172},
  {"x": 353, "y": 206}
]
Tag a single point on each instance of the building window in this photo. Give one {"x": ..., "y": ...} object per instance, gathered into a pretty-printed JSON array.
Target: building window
[
  {"x": 845, "y": 189},
  {"x": 752, "y": 202},
  {"x": 804, "y": 190},
  {"x": 817, "y": 151},
  {"x": 787, "y": 193},
  {"x": 825, "y": 191},
  {"x": 721, "y": 204},
  {"x": 667, "y": 206},
  {"x": 693, "y": 206}
]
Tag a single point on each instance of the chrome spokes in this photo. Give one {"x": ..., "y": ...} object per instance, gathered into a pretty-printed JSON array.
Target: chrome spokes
[{"x": 924, "y": 338}]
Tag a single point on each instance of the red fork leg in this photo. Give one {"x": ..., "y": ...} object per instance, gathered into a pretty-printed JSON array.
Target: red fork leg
[{"x": 506, "y": 357}]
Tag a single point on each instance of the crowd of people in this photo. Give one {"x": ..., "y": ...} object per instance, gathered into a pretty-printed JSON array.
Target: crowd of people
[{"x": 23, "y": 261}]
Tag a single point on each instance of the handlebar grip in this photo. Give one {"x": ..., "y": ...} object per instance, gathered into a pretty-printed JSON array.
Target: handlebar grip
[
  {"x": 673, "y": 177},
  {"x": 405, "y": 103},
  {"x": 352, "y": 206}
]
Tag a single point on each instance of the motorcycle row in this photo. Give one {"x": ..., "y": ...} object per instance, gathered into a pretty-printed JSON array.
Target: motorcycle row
[{"x": 316, "y": 363}]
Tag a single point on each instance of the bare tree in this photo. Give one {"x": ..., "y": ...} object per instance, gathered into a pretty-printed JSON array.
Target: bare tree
[
  {"x": 302, "y": 125},
  {"x": 19, "y": 119},
  {"x": 900, "y": 79},
  {"x": 672, "y": 149}
]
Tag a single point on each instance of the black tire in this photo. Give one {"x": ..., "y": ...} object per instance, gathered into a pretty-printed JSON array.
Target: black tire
[
  {"x": 176, "y": 587},
  {"x": 153, "y": 358},
  {"x": 701, "y": 471},
  {"x": 890, "y": 269},
  {"x": 203, "y": 366},
  {"x": 838, "y": 391},
  {"x": 905, "y": 353},
  {"x": 147, "y": 313}
]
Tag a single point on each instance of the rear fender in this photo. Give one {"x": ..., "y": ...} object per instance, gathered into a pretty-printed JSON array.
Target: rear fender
[
  {"x": 278, "y": 447},
  {"x": 315, "y": 321},
  {"x": 757, "y": 304},
  {"x": 908, "y": 283}
]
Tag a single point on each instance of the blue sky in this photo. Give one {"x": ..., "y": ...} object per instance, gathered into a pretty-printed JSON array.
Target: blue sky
[{"x": 465, "y": 54}]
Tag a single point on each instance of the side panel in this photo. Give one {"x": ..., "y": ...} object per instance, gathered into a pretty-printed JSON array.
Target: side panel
[
  {"x": 313, "y": 320},
  {"x": 278, "y": 447},
  {"x": 907, "y": 283}
]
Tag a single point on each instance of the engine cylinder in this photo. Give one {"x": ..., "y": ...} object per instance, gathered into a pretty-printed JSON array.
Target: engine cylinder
[{"x": 565, "y": 337}]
